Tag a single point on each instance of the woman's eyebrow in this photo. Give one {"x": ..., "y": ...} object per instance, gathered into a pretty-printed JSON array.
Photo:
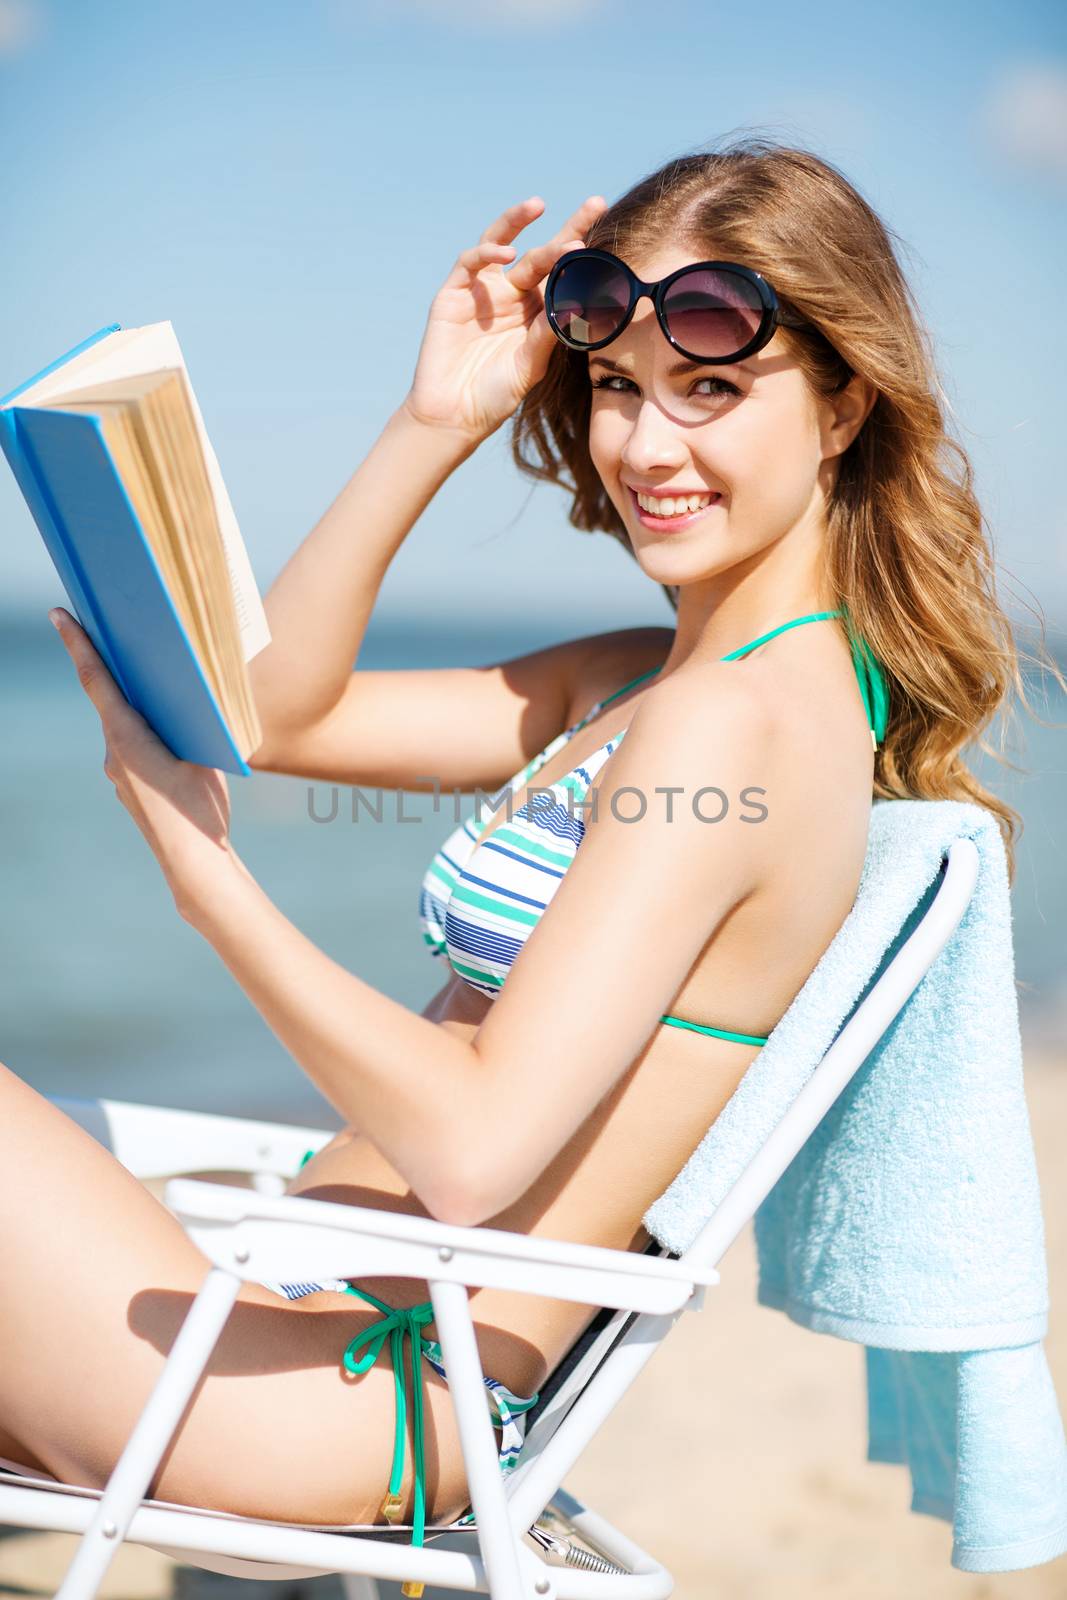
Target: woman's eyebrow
[{"x": 672, "y": 372}]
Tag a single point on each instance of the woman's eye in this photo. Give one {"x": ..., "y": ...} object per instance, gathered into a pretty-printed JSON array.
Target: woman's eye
[{"x": 719, "y": 385}]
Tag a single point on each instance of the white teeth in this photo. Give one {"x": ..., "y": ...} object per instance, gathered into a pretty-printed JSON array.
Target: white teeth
[{"x": 674, "y": 507}]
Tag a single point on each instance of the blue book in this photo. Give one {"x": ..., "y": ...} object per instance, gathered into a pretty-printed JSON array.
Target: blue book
[{"x": 109, "y": 448}]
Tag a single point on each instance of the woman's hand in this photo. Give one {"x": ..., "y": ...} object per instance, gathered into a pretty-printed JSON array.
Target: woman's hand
[
  {"x": 182, "y": 809},
  {"x": 487, "y": 339}
]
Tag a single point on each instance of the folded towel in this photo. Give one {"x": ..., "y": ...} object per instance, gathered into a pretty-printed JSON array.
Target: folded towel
[{"x": 910, "y": 1221}]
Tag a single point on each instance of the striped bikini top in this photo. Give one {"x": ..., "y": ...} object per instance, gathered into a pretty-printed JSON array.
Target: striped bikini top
[{"x": 479, "y": 902}]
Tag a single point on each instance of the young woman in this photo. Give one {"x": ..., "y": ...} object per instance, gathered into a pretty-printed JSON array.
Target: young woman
[{"x": 718, "y": 775}]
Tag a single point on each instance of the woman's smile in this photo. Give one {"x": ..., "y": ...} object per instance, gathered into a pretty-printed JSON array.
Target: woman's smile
[{"x": 675, "y": 519}]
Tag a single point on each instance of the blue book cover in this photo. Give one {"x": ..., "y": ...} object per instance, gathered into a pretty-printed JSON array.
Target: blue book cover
[{"x": 67, "y": 476}]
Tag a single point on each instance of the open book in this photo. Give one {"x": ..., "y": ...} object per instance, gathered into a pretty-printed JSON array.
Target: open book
[{"x": 111, "y": 454}]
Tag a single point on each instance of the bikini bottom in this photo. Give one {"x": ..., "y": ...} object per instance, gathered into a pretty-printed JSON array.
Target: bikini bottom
[{"x": 506, "y": 1409}]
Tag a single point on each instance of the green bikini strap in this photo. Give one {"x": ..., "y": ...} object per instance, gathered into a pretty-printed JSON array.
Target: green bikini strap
[
  {"x": 872, "y": 681},
  {"x": 874, "y": 691},
  {"x": 396, "y": 1325},
  {"x": 812, "y": 616}
]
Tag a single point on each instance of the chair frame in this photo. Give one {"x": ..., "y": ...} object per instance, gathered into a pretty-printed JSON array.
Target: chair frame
[{"x": 260, "y": 1233}]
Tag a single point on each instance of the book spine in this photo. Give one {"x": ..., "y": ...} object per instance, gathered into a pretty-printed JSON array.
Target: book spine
[{"x": 64, "y": 557}]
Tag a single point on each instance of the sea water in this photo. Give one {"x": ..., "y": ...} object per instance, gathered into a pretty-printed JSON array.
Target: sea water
[{"x": 105, "y": 991}]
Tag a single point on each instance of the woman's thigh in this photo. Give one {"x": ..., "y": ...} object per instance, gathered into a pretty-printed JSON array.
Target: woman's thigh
[{"x": 98, "y": 1277}]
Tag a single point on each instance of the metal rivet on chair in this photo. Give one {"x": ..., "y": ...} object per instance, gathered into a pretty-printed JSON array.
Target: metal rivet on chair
[
  {"x": 241, "y": 1254},
  {"x": 445, "y": 1253},
  {"x": 542, "y": 1586},
  {"x": 109, "y": 1530}
]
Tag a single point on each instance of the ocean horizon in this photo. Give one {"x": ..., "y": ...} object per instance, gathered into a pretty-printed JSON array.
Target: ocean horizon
[{"x": 105, "y": 991}]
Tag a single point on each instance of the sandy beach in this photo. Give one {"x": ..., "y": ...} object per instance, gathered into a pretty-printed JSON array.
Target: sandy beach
[{"x": 776, "y": 1497}]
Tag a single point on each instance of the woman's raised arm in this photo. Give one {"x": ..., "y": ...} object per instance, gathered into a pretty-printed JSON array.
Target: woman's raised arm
[{"x": 486, "y": 342}]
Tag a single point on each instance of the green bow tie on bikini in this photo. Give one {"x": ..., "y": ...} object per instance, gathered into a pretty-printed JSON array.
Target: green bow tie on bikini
[
  {"x": 398, "y": 1324},
  {"x": 395, "y": 1325}
]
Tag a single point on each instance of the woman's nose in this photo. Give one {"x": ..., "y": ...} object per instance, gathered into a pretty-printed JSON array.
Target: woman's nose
[{"x": 653, "y": 441}]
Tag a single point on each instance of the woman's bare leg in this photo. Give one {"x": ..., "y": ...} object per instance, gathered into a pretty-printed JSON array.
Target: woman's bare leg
[
  {"x": 13, "y": 1449},
  {"x": 97, "y": 1278}
]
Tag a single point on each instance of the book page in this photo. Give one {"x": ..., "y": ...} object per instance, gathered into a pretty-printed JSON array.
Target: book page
[
  {"x": 130, "y": 353},
  {"x": 114, "y": 348},
  {"x": 251, "y": 618}
]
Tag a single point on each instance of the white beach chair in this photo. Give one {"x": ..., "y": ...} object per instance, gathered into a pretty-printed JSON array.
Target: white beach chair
[{"x": 529, "y": 1537}]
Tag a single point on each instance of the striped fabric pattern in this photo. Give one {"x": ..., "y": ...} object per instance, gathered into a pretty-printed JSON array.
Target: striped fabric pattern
[{"x": 479, "y": 903}]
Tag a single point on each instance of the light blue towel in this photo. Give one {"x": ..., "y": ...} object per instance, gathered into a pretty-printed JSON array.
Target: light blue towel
[{"x": 910, "y": 1221}]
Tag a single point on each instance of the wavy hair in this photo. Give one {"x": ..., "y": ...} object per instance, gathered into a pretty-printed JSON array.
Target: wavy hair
[{"x": 907, "y": 548}]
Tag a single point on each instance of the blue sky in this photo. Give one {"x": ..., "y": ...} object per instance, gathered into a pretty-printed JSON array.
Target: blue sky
[{"x": 289, "y": 184}]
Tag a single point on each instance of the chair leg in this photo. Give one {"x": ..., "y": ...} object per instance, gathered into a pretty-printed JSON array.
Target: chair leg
[
  {"x": 152, "y": 1432},
  {"x": 500, "y": 1548}
]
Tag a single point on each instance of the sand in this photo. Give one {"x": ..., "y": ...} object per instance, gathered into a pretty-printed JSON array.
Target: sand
[{"x": 776, "y": 1497}]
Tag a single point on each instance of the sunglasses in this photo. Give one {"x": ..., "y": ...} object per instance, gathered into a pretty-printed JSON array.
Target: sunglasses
[{"x": 710, "y": 311}]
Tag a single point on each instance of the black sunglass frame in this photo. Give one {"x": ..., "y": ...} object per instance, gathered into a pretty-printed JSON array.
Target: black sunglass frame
[{"x": 772, "y": 315}]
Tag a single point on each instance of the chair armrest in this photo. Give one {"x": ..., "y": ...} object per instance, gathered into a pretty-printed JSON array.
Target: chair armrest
[
  {"x": 294, "y": 1239},
  {"x": 156, "y": 1141}
]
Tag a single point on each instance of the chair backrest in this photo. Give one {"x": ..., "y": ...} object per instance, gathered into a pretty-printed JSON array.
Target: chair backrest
[{"x": 616, "y": 1344}]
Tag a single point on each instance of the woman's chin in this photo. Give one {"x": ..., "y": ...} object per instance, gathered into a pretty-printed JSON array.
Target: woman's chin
[{"x": 675, "y": 573}]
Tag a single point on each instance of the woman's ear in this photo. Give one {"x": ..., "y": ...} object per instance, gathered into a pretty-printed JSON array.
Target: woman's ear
[{"x": 842, "y": 415}]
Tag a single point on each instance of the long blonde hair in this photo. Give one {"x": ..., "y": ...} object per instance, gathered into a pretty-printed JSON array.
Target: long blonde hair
[{"x": 907, "y": 548}]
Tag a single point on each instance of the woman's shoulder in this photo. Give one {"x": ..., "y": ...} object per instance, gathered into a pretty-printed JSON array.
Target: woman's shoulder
[{"x": 705, "y": 712}]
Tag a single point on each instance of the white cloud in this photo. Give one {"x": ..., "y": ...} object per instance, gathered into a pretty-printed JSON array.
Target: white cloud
[
  {"x": 20, "y": 24},
  {"x": 1026, "y": 115}
]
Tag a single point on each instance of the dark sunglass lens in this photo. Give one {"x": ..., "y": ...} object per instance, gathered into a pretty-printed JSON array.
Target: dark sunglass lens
[
  {"x": 589, "y": 300},
  {"x": 712, "y": 313}
]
